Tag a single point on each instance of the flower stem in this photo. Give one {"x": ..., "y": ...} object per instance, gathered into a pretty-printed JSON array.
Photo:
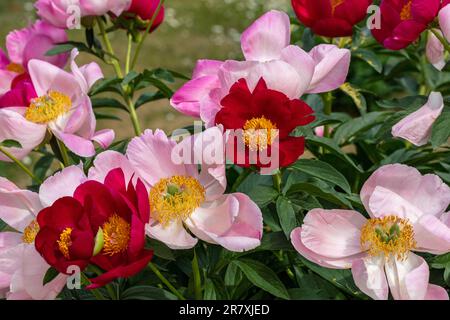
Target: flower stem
[
  {"x": 133, "y": 115},
  {"x": 109, "y": 48},
  {"x": 245, "y": 173},
  {"x": 64, "y": 153},
  {"x": 128, "y": 59},
  {"x": 21, "y": 165},
  {"x": 197, "y": 278},
  {"x": 147, "y": 31},
  {"x": 441, "y": 39},
  {"x": 165, "y": 281},
  {"x": 327, "y": 110}
]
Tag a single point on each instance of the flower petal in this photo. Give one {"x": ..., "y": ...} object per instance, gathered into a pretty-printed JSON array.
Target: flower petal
[
  {"x": 174, "y": 235},
  {"x": 107, "y": 161},
  {"x": 435, "y": 292},
  {"x": 432, "y": 235},
  {"x": 444, "y": 21},
  {"x": 369, "y": 276},
  {"x": 435, "y": 51}
]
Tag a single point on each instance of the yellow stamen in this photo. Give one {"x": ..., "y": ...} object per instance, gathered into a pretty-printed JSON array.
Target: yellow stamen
[
  {"x": 48, "y": 108},
  {"x": 65, "y": 242},
  {"x": 406, "y": 13},
  {"x": 116, "y": 235},
  {"x": 14, "y": 67},
  {"x": 30, "y": 232},
  {"x": 335, "y": 4},
  {"x": 259, "y": 133},
  {"x": 388, "y": 236},
  {"x": 175, "y": 198}
]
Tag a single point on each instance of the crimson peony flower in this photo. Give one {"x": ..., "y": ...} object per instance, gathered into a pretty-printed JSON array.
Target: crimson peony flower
[
  {"x": 331, "y": 18},
  {"x": 266, "y": 118},
  {"x": 119, "y": 213},
  {"x": 145, "y": 9},
  {"x": 402, "y": 21}
]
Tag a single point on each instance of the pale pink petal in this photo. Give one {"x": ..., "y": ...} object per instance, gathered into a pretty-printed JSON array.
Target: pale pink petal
[
  {"x": 370, "y": 278},
  {"x": 301, "y": 61},
  {"x": 435, "y": 51},
  {"x": 444, "y": 21},
  {"x": 13, "y": 126},
  {"x": 9, "y": 239},
  {"x": 188, "y": 98},
  {"x": 332, "y": 65},
  {"x": 80, "y": 146},
  {"x": 6, "y": 78},
  {"x": 107, "y": 161},
  {"x": 104, "y": 137},
  {"x": 151, "y": 157},
  {"x": 234, "y": 222},
  {"x": 209, "y": 107},
  {"x": 432, "y": 235},
  {"x": 86, "y": 75},
  {"x": 327, "y": 262},
  {"x": 266, "y": 37},
  {"x": 17, "y": 207},
  {"x": 62, "y": 184},
  {"x": 427, "y": 193},
  {"x": 174, "y": 235},
  {"x": 408, "y": 279},
  {"x": 435, "y": 292},
  {"x": 333, "y": 233},
  {"x": 445, "y": 218},
  {"x": 206, "y": 68},
  {"x": 416, "y": 128}
]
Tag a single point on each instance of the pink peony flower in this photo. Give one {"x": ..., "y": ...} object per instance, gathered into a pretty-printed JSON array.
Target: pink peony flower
[
  {"x": 435, "y": 51},
  {"x": 65, "y": 13},
  {"x": 61, "y": 105},
  {"x": 416, "y": 128},
  {"x": 26, "y": 44},
  {"x": 269, "y": 55},
  {"x": 407, "y": 213},
  {"x": 183, "y": 198},
  {"x": 22, "y": 268}
]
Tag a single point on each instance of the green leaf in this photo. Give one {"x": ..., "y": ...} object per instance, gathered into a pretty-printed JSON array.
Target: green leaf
[
  {"x": 10, "y": 144},
  {"x": 263, "y": 195},
  {"x": 262, "y": 277},
  {"x": 147, "y": 293},
  {"x": 149, "y": 97},
  {"x": 312, "y": 287},
  {"x": 106, "y": 85},
  {"x": 275, "y": 241},
  {"x": 356, "y": 95},
  {"x": 210, "y": 290},
  {"x": 323, "y": 171},
  {"x": 103, "y": 116},
  {"x": 107, "y": 103},
  {"x": 51, "y": 274},
  {"x": 161, "y": 250},
  {"x": 42, "y": 166},
  {"x": 441, "y": 130},
  {"x": 129, "y": 77},
  {"x": 286, "y": 214},
  {"x": 370, "y": 57},
  {"x": 233, "y": 275},
  {"x": 321, "y": 190}
]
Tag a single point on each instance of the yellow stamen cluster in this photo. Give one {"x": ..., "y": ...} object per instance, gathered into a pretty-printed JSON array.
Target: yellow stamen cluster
[
  {"x": 116, "y": 235},
  {"x": 47, "y": 108},
  {"x": 335, "y": 4},
  {"x": 30, "y": 232},
  {"x": 406, "y": 13},
  {"x": 259, "y": 133},
  {"x": 388, "y": 236},
  {"x": 65, "y": 242},
  {"x": 175, "y": 198},
  {"x": 14, "y": 67}
]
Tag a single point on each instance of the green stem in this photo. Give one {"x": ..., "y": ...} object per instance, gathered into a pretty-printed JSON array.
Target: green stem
[
  {"x": 64, "y": 153},
  {"x": 277, "y": 181},
  {"x": 165, "y": 281},
  {"x": 245, "y": 173},
  {"x": 133, "y": 115},
  {"x": 441, "y": 39},
  {"x": 21, "y": 165},
  {"x": 109, "y": 48},
  {"x": 128, "y": 60},
  {"x": 95, "y": 292},
  {"x": 327, "y": 110},
  {"x": 147, "y": 31},
  {"x": 197, "y": 278}
]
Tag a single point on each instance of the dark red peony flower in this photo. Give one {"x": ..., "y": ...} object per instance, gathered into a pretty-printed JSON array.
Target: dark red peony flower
[
  {"x": 331, "y": 18},
  {"x": 145, "y": 9},
  {"x": 402, "y": 21},
  {"x": 65, "y": 236},
  {"x": 121, "y": 213},
  {"x": 265, "y": 119}
]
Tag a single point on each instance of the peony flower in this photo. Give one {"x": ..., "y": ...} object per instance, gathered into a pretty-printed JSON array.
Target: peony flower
[
  {"x": 61, "y": 106},
  {"x": 181, "y": 197},
  {"x": 22, "y": 268},
  {"x": 26, "y": 44},
  {"x": 145, "y": 10},
  {"x": 416, "y": 128},
  {"x": 269, "y": 55},
  {"x": 402, "y": 21},
  {"x": 114, "y": 211},
  {"x": 435, "y": 51},
  {"x": 407, "y": 213},
  {"x": 65, "y": 13},
  {"x": 266, "y": 118},
  {"x": 334, "y": 18}
]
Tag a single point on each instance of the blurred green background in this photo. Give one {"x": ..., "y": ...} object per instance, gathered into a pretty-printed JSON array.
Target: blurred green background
[{"x": 192, "y": 30}]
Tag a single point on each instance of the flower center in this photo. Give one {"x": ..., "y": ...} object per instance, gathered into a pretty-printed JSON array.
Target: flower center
[
  {"x": 30, "y": 232},
  {"x": 259, "y": 133},
  {"x": 335, "y": 4},
  {"x": 175, "y": 198},
  {"x": 48, "y": 108},
  {"x": 65, "y": 242},
  {"x": 388, "y": 236},
  {"x": 15, "y": 67},
  {"x": 116, "y": 235},
  {"x": 406, "y": 13}
]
